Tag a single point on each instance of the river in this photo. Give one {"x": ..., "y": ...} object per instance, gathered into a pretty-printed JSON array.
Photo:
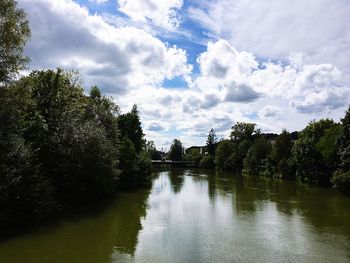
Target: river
[{"x": 197, "y": 216}]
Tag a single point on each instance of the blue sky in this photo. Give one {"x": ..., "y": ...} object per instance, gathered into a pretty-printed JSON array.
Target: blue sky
[{"x": 195, "y": 65}]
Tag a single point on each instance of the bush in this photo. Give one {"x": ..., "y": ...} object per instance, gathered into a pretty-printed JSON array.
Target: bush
[
  {"x": 25, "y": 194},
  {"x": 341, "y": 181},
  {"x": 207, "y": 162}
]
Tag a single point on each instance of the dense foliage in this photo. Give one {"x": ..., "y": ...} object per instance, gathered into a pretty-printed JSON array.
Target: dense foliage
[
  {"x": 59, "y": 146},
  {"x": 14, "y": 33},
  {"x": 211, "y": 142},
  {"x": 176, "y": 151},
  {"x": 341, "y": 177},
  {"x": 319, "y": 154},
  {"x": 135, "y": 153}
]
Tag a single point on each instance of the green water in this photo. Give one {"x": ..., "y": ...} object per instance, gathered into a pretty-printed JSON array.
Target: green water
[{"x": 197, "y": 216}]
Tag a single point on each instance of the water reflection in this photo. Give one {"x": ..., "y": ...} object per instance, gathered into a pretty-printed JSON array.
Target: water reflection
[
  {"x": 176, "y": 178},
  {"x": 87, "y": 237},
  {"x": 199, "y": 216}
]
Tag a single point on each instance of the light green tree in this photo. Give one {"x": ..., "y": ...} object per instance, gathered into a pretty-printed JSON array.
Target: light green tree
[{"x": 14, "y": 33}]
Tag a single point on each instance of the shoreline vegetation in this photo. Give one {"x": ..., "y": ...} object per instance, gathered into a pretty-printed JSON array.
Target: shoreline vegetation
[
  {"x": 61, "y": 147},
  {"x": 317, "y": 155}
]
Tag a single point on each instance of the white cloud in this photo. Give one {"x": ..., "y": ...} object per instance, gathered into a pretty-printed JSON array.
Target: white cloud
[
  {"x": 156, "y": 126},
  {"x": 275, "y": 28},
  {"x": 319, "y": 101},
  {"x": 232, "y": 85},
  {"x": 298, "y": 92},
  {"x": 222, "y": 61},
  {"x": 269, "y": 111},
  {"x": 117, "y": 59},
  {"x": 162, "y": 13},
  {"x": 241, "y": 93}
]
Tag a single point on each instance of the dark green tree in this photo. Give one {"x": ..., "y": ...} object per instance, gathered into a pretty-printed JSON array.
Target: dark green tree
[
  {"x": 243, "y": 131},
  {"x": 130, "y": 126},
  {"x": 327, "y": 146},
  {"x": 53, "y": 148},
  {"x": 281, "y": 153},
  {"x": 255, "y": 162},
  {"x": 193, "y": 155},
  {"x": 127, "y": 156},
  {"x": 207, "y": 161},
  {"x": 14, "y": 33},
  {"x": 341, "y": 177},
  {"x": 105, "y": 112},
  {"x": 223, "y": 151},
  {"x": 152, "y": 151},
  {"x": 307, "y": 159},
  {"x": 211, "y": 142},
  {"x": 176, "y": 150}
]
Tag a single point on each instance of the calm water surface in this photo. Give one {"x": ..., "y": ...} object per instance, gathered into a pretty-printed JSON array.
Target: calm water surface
[{"x": 198, "y": 216}]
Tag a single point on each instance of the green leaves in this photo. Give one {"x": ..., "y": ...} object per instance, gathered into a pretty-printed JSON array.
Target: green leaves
[
  {"x": 14, "y": 33},
  {"x": 211, "y": 142},
  {"x": 313, "y": 155},
  {"x": 58, "y": 146},
  {"x": 176, "y": 150},
  {"x": 341, "y": 177}
]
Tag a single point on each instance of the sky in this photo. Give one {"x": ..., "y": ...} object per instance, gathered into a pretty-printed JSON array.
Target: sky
[{"x": 195, "y": 65}]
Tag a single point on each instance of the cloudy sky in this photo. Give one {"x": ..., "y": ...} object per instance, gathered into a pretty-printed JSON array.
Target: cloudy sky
[{"x": 193, "y": 65}]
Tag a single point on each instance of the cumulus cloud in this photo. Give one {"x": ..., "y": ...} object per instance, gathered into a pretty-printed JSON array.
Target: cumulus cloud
[
  {"x": 320, "y": 101},
  {"x": 162, "y": 13},
  {"x": 156, "y": 126},
  {"x": 241, "y": 89},
  {"x": 233, "y": 83},
  {"x": 274, "y": 29},
  {"x": 64, "y": 34},
  {"x": 241, "y": 93},
  {"x": 224, "y": 76},
  {"x": 305, "y": 86},
  {"x": 222, "y": 61},
  {"x": 269, "y": 111}
]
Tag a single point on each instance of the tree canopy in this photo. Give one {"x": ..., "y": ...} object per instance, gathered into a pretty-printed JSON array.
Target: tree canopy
[
  {"x": 211, "y": 142},
  {"x": 341, "y": 177},
  {"x": 14, "y": 33},
  {"x": 243, "y": 131},
  {"x": 176, "y": 150}
]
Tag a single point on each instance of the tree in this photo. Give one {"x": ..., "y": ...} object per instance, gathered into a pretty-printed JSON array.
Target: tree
[
  {"x": 105, "y": 112},
  {"x": 281, "y": 153},
  {"x": 207, "y": 162},
  {"x": 282, "y": 147},
  {"x": 57, "y": 145},
  {"x": 341, "y": 177},
  {"x": 211, "y": 142},
  {"x": 327, "y": 146},
  {"x": 127, "y": 157},
  {"x": 130, "y": 126},
  {"x": 193, "y": 155},
  {"x": 151, "y": 150},
  {"x": 223, "y": 151},
  {"x": 307, "y": 159},
  {"x": 243, "y": 131},
  {"x": 255, "y": 161},
  {"x": 176, "y": 150},
  {"x": 14, "y": 33}
]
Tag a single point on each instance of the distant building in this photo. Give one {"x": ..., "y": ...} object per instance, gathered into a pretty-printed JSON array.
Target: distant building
[{"x": 201, "y": 149}]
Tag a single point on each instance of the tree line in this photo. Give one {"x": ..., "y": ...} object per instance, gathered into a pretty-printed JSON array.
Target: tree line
[
  {"x": 58, "y": 145},
  {"x": 318, "y": 155}
]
